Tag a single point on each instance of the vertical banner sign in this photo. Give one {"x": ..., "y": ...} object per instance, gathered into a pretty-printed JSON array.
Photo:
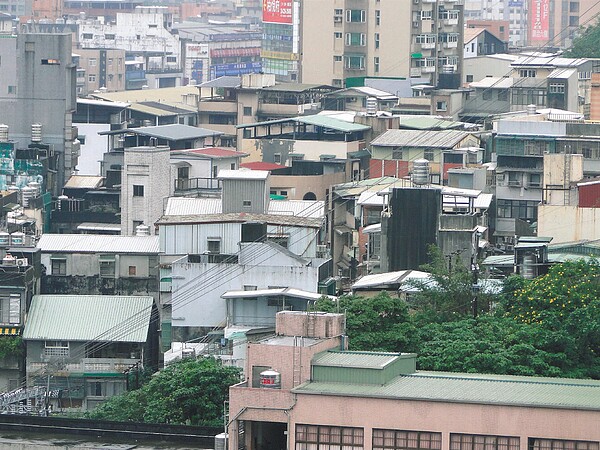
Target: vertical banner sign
[
  {"x": 277, "y": 11},
  {"x": 539, "y": 13}
]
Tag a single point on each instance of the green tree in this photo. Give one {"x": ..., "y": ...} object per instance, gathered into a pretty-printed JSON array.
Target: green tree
[
  {"x": 191, "y": 391},
  {"x": 587, "y": 44}
]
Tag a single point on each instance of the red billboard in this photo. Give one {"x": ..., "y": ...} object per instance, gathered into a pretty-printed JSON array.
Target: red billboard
[
  {"x": 277, "y": 11},
  {"x": 539, "y": 21}
]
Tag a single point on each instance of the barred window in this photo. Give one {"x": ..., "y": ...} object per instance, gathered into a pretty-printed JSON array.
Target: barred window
[
  {"x": 406, "y": 440},
  {"x": 320, "y": 437},
  {"x": 482, "y": 442},
  {"x": 558, "y": 444}
]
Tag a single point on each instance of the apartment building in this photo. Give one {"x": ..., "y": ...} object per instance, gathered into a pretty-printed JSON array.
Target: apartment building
[
  {"x": 100, "y": 70},
  {"x": 510, "y": 15},
  {"x": 329, "y": 41}
]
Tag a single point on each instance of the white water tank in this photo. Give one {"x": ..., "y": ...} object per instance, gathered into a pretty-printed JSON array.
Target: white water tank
[
  {"x": 420, "y": 173},
  {"x": 37, "y": 186},
  {"x": 17, "y": 238},
  {"x": 371, "y": 106},
  {"x": 36, "y": 132},
  {"x": 270, "y": 379},
  {"x": 142, "y": 230},
  {"x": 9, "y": 260},
  {"x": 221, "y": 441},
  {"x": 3, "y": 132}
]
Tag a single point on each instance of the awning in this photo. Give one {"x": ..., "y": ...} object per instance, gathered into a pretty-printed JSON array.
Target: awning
[{"x": 342, "y": 229}]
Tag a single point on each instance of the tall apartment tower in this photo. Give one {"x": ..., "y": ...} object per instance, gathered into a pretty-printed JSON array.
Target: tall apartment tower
[
  {"x": 37, "y": 86},
  {"x": 341, "y": 39},
  {"x": 145, "y": 184}
]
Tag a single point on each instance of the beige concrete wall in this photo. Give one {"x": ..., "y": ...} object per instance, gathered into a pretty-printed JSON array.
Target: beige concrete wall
[
  {"x": 298, "y": 185},
  {"x": 296, "y": 324},
  {"x": 318, "y": 44},
  {"x": 395, "y": 38},
  {"x": 568, "y": 223},
  {"x": 369, "y": 413}
]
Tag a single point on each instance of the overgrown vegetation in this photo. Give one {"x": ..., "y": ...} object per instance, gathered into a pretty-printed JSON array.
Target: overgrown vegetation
[
  {"x": 587, "y": 44},
  {"x": 10, "y": 346},
  {"x": 187, "y": 392},
  {"x": 549, "y": 326}
]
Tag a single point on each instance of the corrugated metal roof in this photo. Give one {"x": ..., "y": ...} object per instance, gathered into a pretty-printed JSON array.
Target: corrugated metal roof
[
  {"x": 88, "y": 318},
  {"x": 389, "y": 278},
  {"x": 84, "y": 182},
  {"x": 428, "y": 122},
  {"x": 296, "y": 87},
  {"x": 316, "y": 120},
  {"x": 223, "y": 82},
  {"x": 174, "y": 132},
  {"x": 493, "y": 82},
  {"x": 368, "y": 360},
  {"x": 182, "y": 206},
  {"x": 420, "y": 138},
  {"x": 173, "y": 94},
  {"x": 562, "y": 73},
  {"x": 473, "y": 388},
  {"x": 243, "y": 175},
  {"x": 271, "y": 219},
  {"x": 97, "y": 243},
  {"x": 288, "y": 292},
  {"x": 259, "y": 165},
  {"x": 211, "y": 152}
]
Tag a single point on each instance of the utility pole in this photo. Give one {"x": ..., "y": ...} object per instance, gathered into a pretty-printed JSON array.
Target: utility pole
[{"x": 475, "y": 286}]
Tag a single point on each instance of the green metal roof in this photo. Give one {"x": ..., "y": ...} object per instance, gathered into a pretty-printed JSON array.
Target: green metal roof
[
  {"x": 368, "y": 360},
  {"x": 332, "y": 123},
  {"x": 100, "y": 318},
  {"x": 472, "y": 388}
]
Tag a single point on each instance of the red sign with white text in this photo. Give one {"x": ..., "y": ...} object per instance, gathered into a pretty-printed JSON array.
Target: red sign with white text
[
  {"x": 539, "y": 24},
  {"x": 277, "y": 11}
]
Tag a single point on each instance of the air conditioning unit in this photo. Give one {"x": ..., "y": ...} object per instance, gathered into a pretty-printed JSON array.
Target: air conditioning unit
[{"x": 22, "y": 262}]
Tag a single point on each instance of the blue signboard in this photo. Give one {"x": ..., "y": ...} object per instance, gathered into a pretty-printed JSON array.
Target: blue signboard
[{"x": 236, "y": 69}]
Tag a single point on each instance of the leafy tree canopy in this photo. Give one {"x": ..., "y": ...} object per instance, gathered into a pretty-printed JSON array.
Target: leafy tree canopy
[
  {"x": 191, "y": 391},
  {"x": 587, "y": 45}
]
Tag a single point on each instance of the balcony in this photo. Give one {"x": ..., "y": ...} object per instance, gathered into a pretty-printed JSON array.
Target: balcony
[
  {"x": 86, "y": 365},
  {"x": 192, "y": 184}
]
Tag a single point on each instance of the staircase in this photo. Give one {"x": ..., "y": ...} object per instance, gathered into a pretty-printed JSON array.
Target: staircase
[{"x": 28, "y": 400}]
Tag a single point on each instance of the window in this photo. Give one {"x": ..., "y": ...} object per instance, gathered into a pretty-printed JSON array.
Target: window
[
  {"x": 477, "y": 441},
  {"x": 109, "y": 37},
  {"x": 487, "y": 94},
  {"x": 92, "y": 62},
  {"x": 87, "y": 36},
  {"x": 536, "y": 148},
  {"x": 132, "y": 271},
  {"x": 107, "y": 266},
  {"x": 376, "y": 64},
  {"x": 517, "y": 209},
  {"x": 50, "y": 62},
  {"x": 356, "y": 62},
  {"x": 247, "y": 110},
  {"x": 503, "y": 95},
  {"x": 469, "y": 78},
  {"x": 56, "y": 348},
  {"x": 250, "y": 287},
  {"x": 247, "y": 204},
  {"x": 277, "y": 158},
  {"x": 232, "y": 166},
  {"x": 95, "y": 389},
  {"x": 138, "y": 190},
  {"x": 557, "y": 444},
  {"x": 397, "y": 155},
  {"x": 337, "y": 58},
  {"x": 337, "y": 35},
  {"x": 527, "y": 73},
  {"x": 376, "y": 40},
  {"x": 441, "y": 105},
  {"x": 406, "y": 440},
  {"x": 92, "y": 78},
  {"x": 356, "y": 39},
  {"x": 556, "y": 88},
  {"x": 110, "y": 61},
  {"x": 213, "y": 245},
  {"x": 59, "y": 266},
  {"x": 356, "y": 15},
  {"x": 535, "y": 180},
  {"x": 426, "y": 15},
  {"x": 428, "y": 155},
  {"x": 281, "y": 239},
  {"x": 425, "y": 39},
  {"x": 338, "y": 12},
  {"x": 377, "y": 17},
  {"x": 323, "y": 437},
  {"x": 12, "y": 89}
]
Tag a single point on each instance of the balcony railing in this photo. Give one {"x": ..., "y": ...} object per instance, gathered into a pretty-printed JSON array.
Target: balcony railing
[
  {"x": 87, "y": 365},
  {"x": 190, "y": 184}
]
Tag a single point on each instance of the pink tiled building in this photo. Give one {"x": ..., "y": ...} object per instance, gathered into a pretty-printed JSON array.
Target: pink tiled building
[{"x": 329, "y": 398}]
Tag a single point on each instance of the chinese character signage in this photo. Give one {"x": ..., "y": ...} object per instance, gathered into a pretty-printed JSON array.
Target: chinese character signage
[
  {"x": 539, "y": 13},
  {"x": 277, "y": 11}
]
